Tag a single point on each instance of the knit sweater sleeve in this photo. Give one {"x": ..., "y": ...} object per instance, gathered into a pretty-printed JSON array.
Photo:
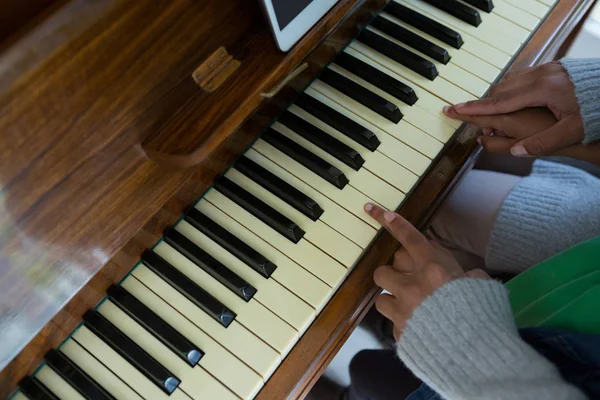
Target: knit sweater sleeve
[
  {"x": 585, "y": 75},
  {"x": 462, "y": 341}
]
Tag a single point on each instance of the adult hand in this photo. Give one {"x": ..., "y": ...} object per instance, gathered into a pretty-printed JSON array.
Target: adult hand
[
  {"x": 419, "y": 268},
  {"x": 546, "y": 85}
]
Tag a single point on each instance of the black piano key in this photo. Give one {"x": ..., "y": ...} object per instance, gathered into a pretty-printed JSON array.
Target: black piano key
[
  {"x": 426, "y": 24},
  {"x": 214, "y": 268},
  {"x": 483, "y": 5},
  {"x": 339, "y": 121},
  {"x": 71, "y": 373},
  {"x": 279, "y": 188},
  {"x": 377, "y": 78},
  {"x": 331, "y": 145},
  {"x": 231, "y": 243},
  {"x": 131, "y": 352},
  {"x": 201, "y": 298},
  {"x": 260, "y": 209},
  {"x": 411, "y": 39},
  {"x": 35, "y": 390},
  {"x": 154, "y": 324},
  {"x": 364, "y": 96},
  {"x": 311, "y": 161},
  {"x": 459, "y": 10},
  {"x": 399, "y": 54}
]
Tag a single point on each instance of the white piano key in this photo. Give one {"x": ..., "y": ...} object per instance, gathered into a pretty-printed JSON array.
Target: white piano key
[
  {"x": 98, "y": 372},
  {"x": 304, "y": 253},
  {"x": 533, "y": 7},
  {"x": 380, "y": 165},
  {"x": 450, "y": 72},
  {"x": 232, "y": 355},
  {"x": 56, "y": 384},
  {"x": 439, "y": 87},
  {"x": 406, "y": 134},
  {"x": 515, "y": 15},
  {"x": 254, "y": 316},
  {"x": 120, "y": 367},
  {"x": 195, "y": 382},
  {"x": 486, "y": 34},
  {"x": 19, "y": 396},
  {"x": 503, "y": 25},
  {"x": 549, "y": 3},
  {"x": 334, "y": 215},
  {"x": 316, "y": 232},
  {"x": 349, "y": 198},
  {"x": 270, "y": 293},
  {"x": 459, "y": 57},
  {"x": 291, "y": 275},
  {"x": 363, "y": 180}
]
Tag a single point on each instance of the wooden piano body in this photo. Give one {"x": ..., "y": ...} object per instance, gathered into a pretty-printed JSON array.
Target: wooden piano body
[{"x": 106, "y": 138}]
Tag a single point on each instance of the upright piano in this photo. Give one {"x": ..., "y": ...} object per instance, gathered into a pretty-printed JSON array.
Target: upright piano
[{"x": 181, "y": 206}]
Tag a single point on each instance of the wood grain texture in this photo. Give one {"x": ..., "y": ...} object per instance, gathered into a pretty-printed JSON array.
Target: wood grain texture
[{"x": 77, "y": 188}]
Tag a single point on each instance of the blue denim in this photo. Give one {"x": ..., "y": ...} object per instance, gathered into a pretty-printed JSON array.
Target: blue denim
[{"x": 576, "y": 355}]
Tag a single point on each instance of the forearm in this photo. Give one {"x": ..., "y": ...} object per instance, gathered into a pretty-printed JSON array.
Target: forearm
[{"x": 462, "y": 341}]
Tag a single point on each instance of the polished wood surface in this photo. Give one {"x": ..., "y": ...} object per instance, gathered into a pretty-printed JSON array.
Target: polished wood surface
[{"x": 77, "y": 186}]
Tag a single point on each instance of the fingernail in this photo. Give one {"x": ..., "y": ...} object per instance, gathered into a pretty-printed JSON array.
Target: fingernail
[
  {"x": 368, "y": 207},
  {"x": 446, "y": 109},
  {"x": 479, "y": 140},
  {"x": 459, "y": 106},
  {"x": 519, "y": 151},
  {"x": 389, "y": 216}
]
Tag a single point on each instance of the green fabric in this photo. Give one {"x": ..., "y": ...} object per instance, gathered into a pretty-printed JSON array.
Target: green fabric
[{"x": 560, "y": 292}]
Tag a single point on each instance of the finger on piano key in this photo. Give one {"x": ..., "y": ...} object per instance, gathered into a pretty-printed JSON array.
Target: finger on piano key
[
  {"x": 364, "y": 181},
  {"x": 339, "y": 150},
  {"x": 195, "y": 381},
  {"x": 417, "y": 42},
  {"x": 368, "y": 99},
  {"x": 487, "y": 34},
  {"x": 232, "y": 355},
  {"x": 176, "y": 342},
  {"x": 348, "y": 198},
  {"x": 450, "y": 72},
  {"x": 56, "y": 384},
  {"x": 344, "y": 124},
  {"x": 269, "y": 293},
  {"x": 376, "y": 162},
  {"x": 122, "y": 368},
  {"x": 251, "y": 314},
  {"x": 461, "y": 58},
  {"x": 399, "y": 54},
  {"x": 338, "y": 218},
  {"x": 483, "y": 5},
  {"x": 319, "y": 234},
  {"x": 425, "y": 24},
  {"x": 304, "y": 253},
  {"x": 280, "y": 188},
  {"x": 460, "y": 11},
  {"x": 277, "y": 221},
  {"x": 533, "y": 7},
  {"x": 156, "y": 373},
  {"x": 317, "y": 165},
  {"x": 406, "y": 133},
  {"x": 183, "y": 284},
  {"x": 32, "y": 388},
  {"x": 291, "y": 275},
  {"x": 97, "y": 371},
  {"x": 75, "y": 376},
  {"x": 214, "y": 268},
  {"x": 471, "y": 44},
  {"x": 441, "y": 87}
]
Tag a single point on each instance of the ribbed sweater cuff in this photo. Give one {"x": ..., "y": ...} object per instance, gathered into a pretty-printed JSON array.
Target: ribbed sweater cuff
[
  {"x": 585, "y": 75},
  {"x": 462, "y": 341}
]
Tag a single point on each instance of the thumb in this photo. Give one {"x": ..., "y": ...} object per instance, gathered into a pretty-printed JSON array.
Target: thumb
[
  {"x": 477, "y": 273},
  {"x": 566, "y": 132}
]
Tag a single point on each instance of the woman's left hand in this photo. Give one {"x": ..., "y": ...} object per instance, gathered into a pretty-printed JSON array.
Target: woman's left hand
[{"x": 419, "y": 268}]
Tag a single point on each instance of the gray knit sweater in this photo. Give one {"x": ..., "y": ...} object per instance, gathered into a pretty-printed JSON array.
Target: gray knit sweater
[{"x": 462, "y": 341}]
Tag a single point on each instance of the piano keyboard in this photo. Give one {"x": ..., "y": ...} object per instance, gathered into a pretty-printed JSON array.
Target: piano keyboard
[{"x": 212, "y": 310}]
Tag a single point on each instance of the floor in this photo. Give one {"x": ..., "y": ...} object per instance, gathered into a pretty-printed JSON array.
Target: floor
[{"x": 587, "y": 45}]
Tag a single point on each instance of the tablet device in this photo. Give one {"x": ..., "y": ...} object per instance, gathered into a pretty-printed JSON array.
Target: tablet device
[{"x": 291, "y": 19}]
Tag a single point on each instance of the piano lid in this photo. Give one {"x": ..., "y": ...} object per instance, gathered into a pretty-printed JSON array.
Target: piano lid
[{"x": 82, "y": 85}]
